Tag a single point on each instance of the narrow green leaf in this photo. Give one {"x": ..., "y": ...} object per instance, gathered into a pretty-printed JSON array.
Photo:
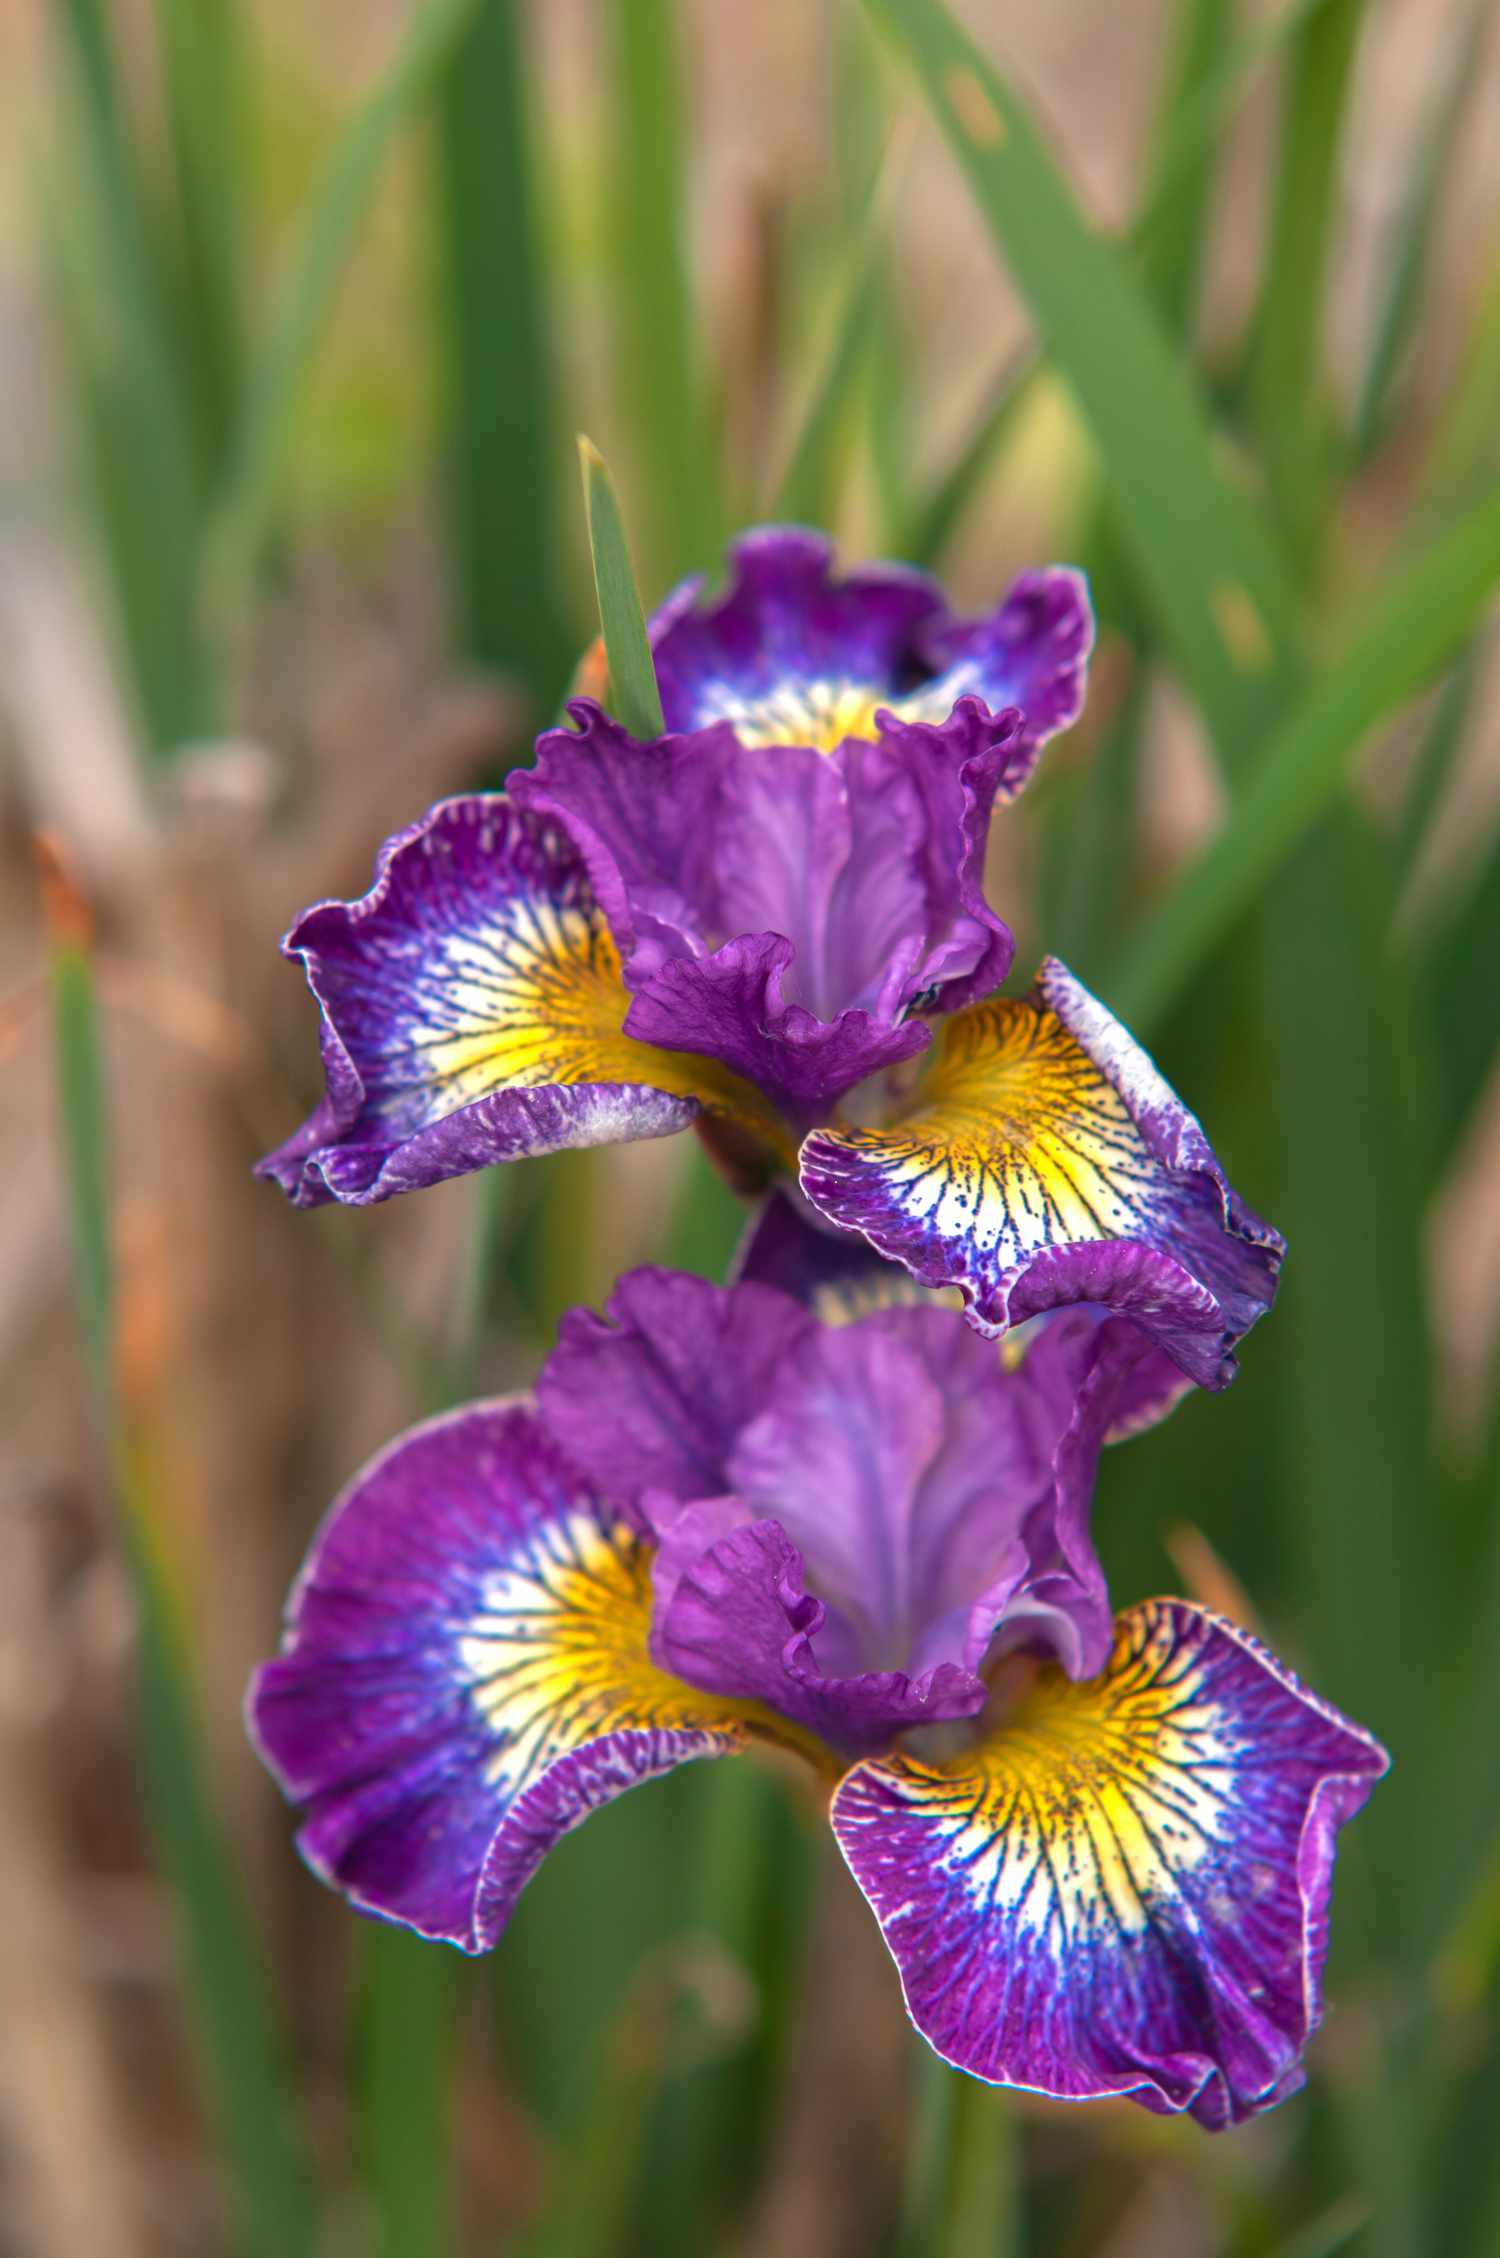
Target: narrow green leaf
[
  {"x": 225, "y": 1982},
  {"x": 1466, "y": 449},
  {"x": 202, "y": 51},
  {"x": 648, "y": 199},
  {"x": 1441, "y": 744},
  {"x": 1196, "y": 123},
  {"x": 278, "y": 374},
  {"x": 1171, "y": 234},
  {"x": 131, "y": 404},
  {"x": 1166, "y": 235},
  {"x": 1460, "y": 964},
  {"x": 1419, "y": 619},
  {"x": 1395, "y": 324},
  {"x": 506, "y": 451},
  {"x": 1288, "y": 393},
  {"x": 1331, "y": 2231},
  {"x": 807, "y": 492},
  {"x": 633, "y": 695},
  {"x": 1227, "y": 609},
  {"x": 962, "y": 2195},
  {"x": 403, "y": 2083},
  {"x": 936, "y": 518}
]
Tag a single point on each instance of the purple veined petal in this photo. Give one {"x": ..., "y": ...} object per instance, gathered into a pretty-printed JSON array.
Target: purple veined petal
[
  {"x": 839, "y": 1276},
  {"x": 733, "y": 1007},
  {"x": 1032, "y": 652},
  {"x": 736, "y": 1619},
  {"x": 654, "y": 1394},
  {"x": 791, "y": 655},
  {"x": 939, "y": 1500},
  {"x": 780, "y": 908},
  {"x": 472, "y": 1011},
  {"x": 466, "y": 1674},
  {"x": 1123, "y": 1889},
  {"x": 644, "y": 817},
  {"x": 788, "y": 654},
  {"x": 1045, "y": 1161}
]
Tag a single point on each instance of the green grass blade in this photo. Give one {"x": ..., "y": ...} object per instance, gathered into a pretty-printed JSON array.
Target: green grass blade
[
  {"x": 1170, "y": 248},
  {"x": 1227, "y": 611},
  {"x": 1466, "y": 450},
  {"x": 404, "y": 2044},
  {"x": 132, "y": 407},
  {"x": 633, "y": 696},
  {"x": 961, "y": 2197},
  {"x": 1395, "y": 325},
  {"x": 201, "y": 44},
  {"x": 1209, "y": 77},
  {"x": 1436, "y": 756},
  {"x": 1461, "y": 977},
  {"x": 1288, "y": 394},
  {"x": 223, "y": 1968},
  {"x": 935, "y": 520},
  {"x": 657, "y": 347},
  {"x": 807, "y": 492},
  {"x": 1197, "y": 123},
  {"x": 278, "y": 373},
  {"x": 1418, "y": 621},
  {"x": 505, "y": 444}
]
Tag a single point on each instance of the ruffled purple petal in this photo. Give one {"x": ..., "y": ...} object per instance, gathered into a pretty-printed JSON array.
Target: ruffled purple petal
[
  {"x": 654, "y": 1394},
  {"x": 466, "y": 1674},
  {"x": 738, "y": 1621},
  {"x": 733, "y": 1007},
  {"x": 783, "y": 909},
  {"x": 937, "y": 1498},
  {"x": 790, "y": 655},
  {"x": 472, "y": 1011},
  {"x": 1123, "y": 1890},
  {"x": 787, "y": 653},
  {"x": 1045, "y": 1161},
  {"x": 1032, "y": 653},
  {"x": 644, "y": 817}
]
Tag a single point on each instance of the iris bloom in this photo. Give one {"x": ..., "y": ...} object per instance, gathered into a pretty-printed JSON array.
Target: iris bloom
[
  {"x": 771, "y": 922},
  {"x": 1100, "y": 1850}
]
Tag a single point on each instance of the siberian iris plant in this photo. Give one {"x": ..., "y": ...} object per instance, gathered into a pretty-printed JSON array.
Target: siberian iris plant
[
  {"x": 771, "y": 922},
  {"x": 1100, "y": 1850}
]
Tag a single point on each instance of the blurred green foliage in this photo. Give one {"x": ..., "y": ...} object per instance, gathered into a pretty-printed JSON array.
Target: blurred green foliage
[{"x": 1336, "y": 1041}]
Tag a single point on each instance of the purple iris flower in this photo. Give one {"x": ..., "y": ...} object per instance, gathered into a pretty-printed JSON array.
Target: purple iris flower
[
  {"x": 771, "y": 922},
  {"x": 1100, "y": 1850}
]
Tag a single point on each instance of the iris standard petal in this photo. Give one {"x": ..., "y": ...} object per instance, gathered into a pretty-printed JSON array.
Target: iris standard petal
[
  {"x": 655, "y": 1393},
  {"x": 1044, "y": 1160},
  {"x": 739, "y": 1621},
  {"x": 782, "y": 910},
  {"x": 789, "y": 654},
  {"x": 473, "y": 1011},
  {"x": 466, "y": 1674},
  {"x": 1123, "y": 1889}
]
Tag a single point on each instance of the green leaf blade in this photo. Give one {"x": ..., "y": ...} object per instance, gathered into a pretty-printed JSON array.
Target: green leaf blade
[{"x": 634, "y": 697}]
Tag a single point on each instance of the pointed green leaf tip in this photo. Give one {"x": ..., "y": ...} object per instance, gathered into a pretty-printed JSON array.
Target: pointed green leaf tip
[{"x": 633, "y": 696}]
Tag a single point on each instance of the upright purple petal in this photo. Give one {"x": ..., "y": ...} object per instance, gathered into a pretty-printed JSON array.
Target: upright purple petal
[
  {"x": 472, "y": 1011},
  {"x": 936, "y": 1497},
  {"x": 1123, "y": 1888},
  {"x": 733, "y": 1007},
  {"x": 788, "y": 654},
  {"x": 466, "y": 1675},
  {"x": 1044, "y": 1161},
  {"x": 654, "y": 1394},
  {"x": 791, "y": 655},
  {"x": 1032, "y": 653},
  {"x": 735, "y": 1617},
  {"x": 782, "y": 909}
]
